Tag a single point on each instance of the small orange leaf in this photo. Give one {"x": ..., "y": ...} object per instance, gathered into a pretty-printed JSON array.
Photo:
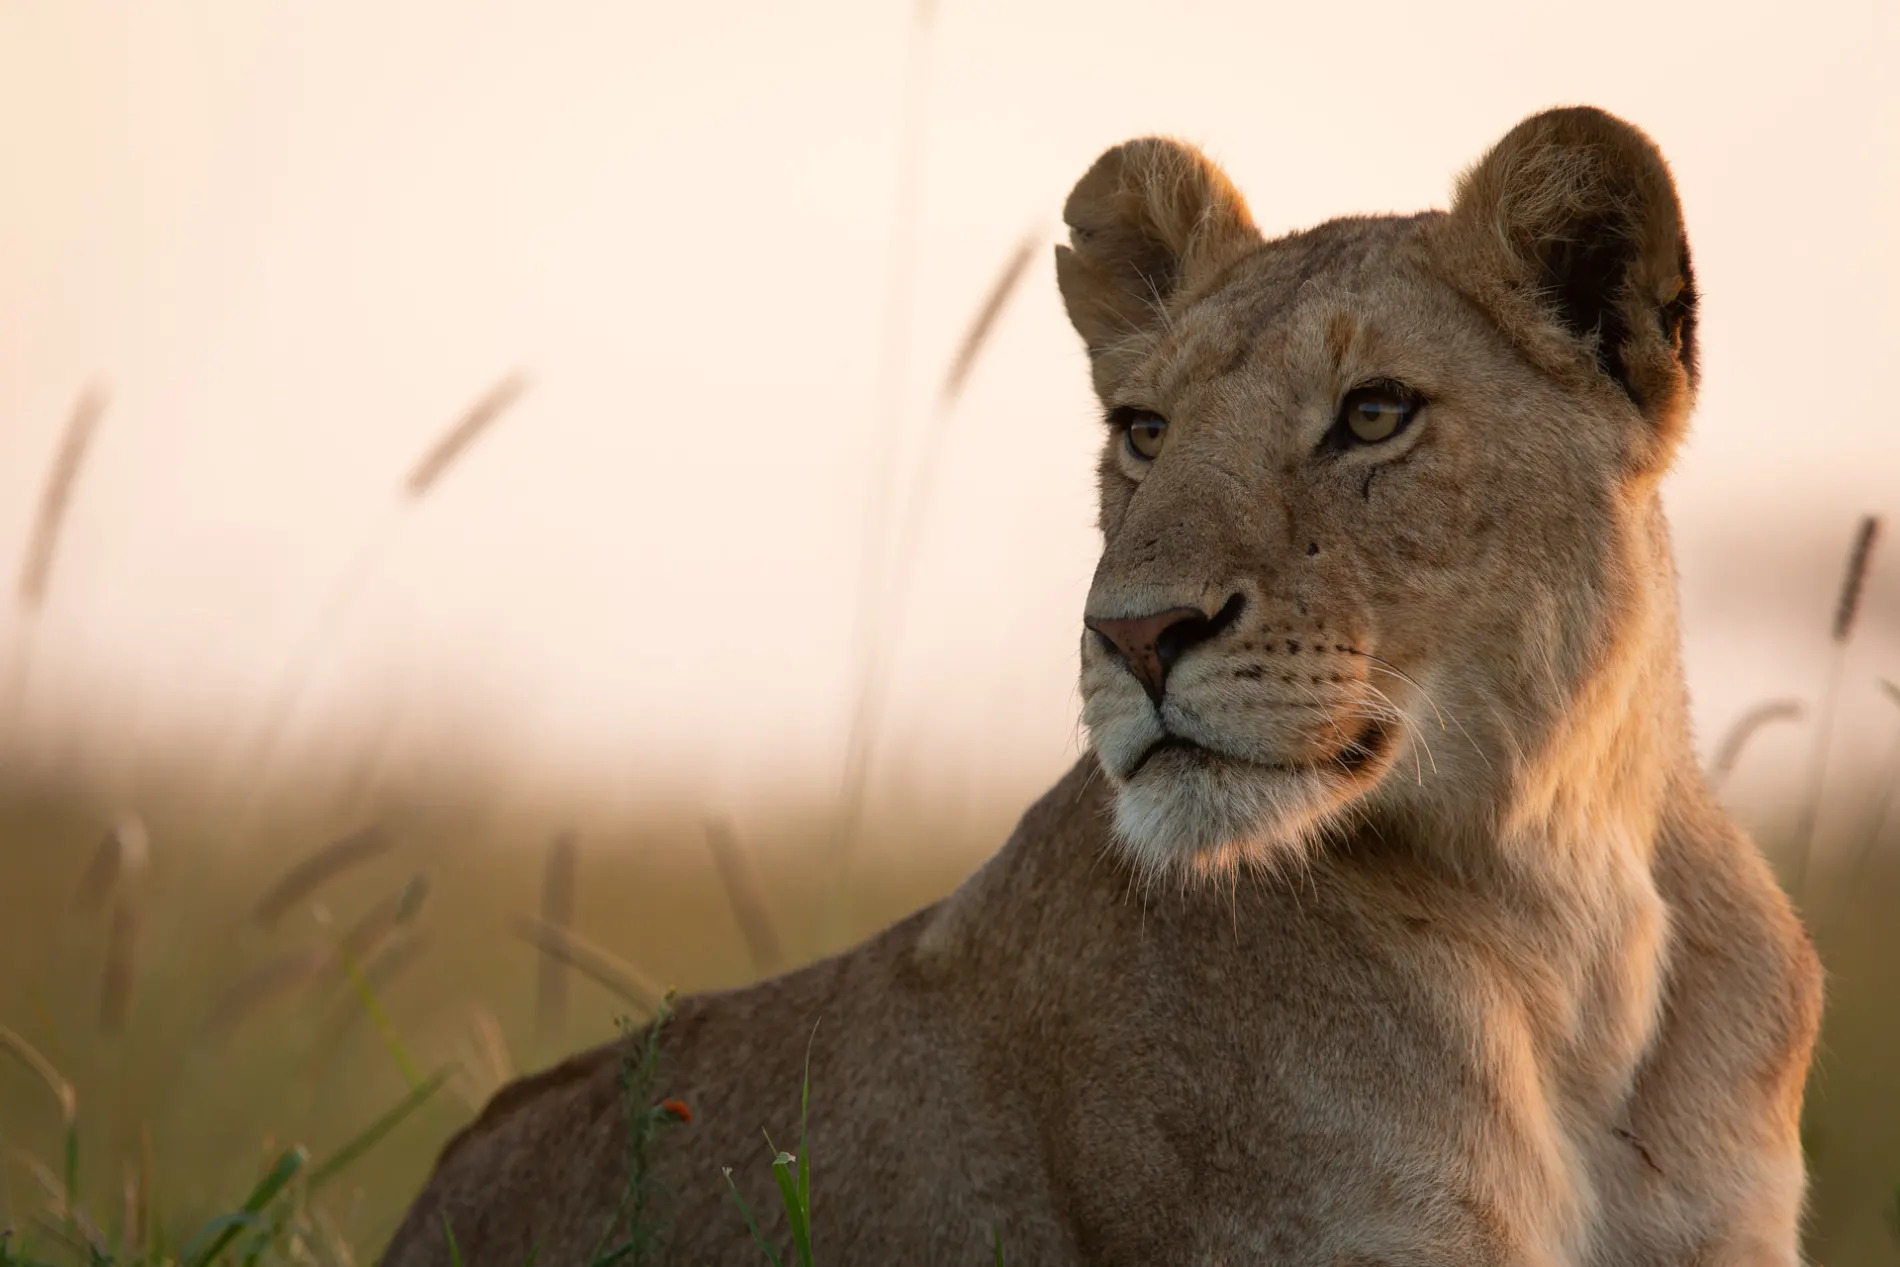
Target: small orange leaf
[{"x": 677, "y": 1109}]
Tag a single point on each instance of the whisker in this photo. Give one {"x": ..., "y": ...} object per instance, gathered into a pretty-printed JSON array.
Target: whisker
[{"x": 1386, "y": 666}]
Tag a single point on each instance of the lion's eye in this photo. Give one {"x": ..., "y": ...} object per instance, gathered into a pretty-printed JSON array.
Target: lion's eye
[
  {"x": 1374, "y": 413},
  {"x": 1145, "y": 432}
]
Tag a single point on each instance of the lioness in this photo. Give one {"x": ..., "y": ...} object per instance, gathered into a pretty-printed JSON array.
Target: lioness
[{"x": 1388, "y": 919}]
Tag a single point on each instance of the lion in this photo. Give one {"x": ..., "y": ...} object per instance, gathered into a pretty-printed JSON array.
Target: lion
[{"x": 1388, "y": 918}]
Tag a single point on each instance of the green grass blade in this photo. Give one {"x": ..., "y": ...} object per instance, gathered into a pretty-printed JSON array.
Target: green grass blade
[
  {"x": 752, "y": 1224},
  {"x": 71, "y": 1176},
  {"x": 455, "y": 1250},
  {"x": 373, "y": 1134},
  {"x": 10, "y": 1257},
  {"x": 385, "y": 1028},
  {"x": 783, "y": 1166},
  {"x": 220, "y": 1232},
  {"x": 804, "y": 1151},
  {"x": 802, "y": 1218},
  {"x": 996, "y": 1233}
]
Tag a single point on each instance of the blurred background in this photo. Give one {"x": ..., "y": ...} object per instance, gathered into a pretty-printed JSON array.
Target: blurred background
[{"x": 505, "y": 508}]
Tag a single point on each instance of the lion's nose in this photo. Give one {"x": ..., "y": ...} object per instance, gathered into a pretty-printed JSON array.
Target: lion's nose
[{"x": 1150, "y": 645}]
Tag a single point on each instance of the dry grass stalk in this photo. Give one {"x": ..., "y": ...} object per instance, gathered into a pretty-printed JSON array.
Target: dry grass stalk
[
  {"x": 319, "y": 868},
  {"x": 558, "y": 880},
  {"x": 336, "y": 1247},
  {"x": 381, "y": 925},
  {"x": 115, "y": 981},
  {"x": 298, "y": 668},
  {"x": 882, "y": 605},
  {"x": 273, "y": 979},
  {"x": 129, "y": 1208},
  {"x": 42, "y": 1068},
  {"x": 744, "y": 893},
  {"x": 147, "y": 1172},
  {"x": 887, "y": 397},
  {"x": 1859, "y": 560},
  {"x": 395, "y": 957},
  {"x": 101, "y": 873},
  {"x": 984, "y": 322},
  {"x": 90, "y": 1246},
  {"x": 1886, "y": 796},
  {"x": 490, "y": 1043},
  {"x": 483, "y": 1065},
  {"x": 590, "y": 960},
  {"x": 467, "y": 429},
  {"x": 121, "y": 854},
  {"x": 1739, "y": 736},
  {"x": 1846, "y": 610},
  {"x": 56, "y": 497}
]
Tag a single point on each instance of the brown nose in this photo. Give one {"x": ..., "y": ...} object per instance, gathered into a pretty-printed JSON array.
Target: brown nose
[{"x": 1150, "y": 645}]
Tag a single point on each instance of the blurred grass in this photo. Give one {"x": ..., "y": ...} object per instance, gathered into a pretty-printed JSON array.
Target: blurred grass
[
  {"x": 251, "y": 1031},
  {"x": 242, "y": 1039}
]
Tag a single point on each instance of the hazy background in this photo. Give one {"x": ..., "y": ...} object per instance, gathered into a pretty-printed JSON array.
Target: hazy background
[
  {"x": 731, "y": 250},
  {"x": 295, "y": 241}
]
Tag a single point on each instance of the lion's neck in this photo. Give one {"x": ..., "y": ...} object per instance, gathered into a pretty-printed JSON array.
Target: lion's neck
[
  {"x": 1589, "y": 802},
  {"x": 1577, "y": 839}
]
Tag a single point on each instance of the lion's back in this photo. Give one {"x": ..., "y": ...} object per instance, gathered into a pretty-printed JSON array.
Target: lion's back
[{"x": 916, "y": 1155}]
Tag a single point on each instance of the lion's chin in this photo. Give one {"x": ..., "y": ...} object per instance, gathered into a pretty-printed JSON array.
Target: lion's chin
[{"x": 1183, "y": 808}]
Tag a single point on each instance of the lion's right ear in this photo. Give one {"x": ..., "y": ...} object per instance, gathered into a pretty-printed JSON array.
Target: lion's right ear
[{"x": 1147, "y": 219}]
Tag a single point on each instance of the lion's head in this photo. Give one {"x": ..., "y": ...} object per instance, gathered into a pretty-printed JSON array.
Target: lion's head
[{"x": 1378, "y": 498}]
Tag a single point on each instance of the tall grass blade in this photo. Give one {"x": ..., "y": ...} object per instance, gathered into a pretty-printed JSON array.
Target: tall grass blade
[
  {"x": 1846, "y": 609},
  {"x": 591, "y": 961},
  {"x": 783, "y": 1166},
  {"x": 558, "y": 882},
  {"x": 373, "y": 1134},
  {"x": 451, "y": 444},
  {"x": 146, "y": 1243},
  {"x": 211, "y": 1240},
  {"x": 68, "y": 1100},
  {"x": 746, "y": 897},
  {"x": 115, "y": 980},
  {"x": 970, "y": 347},
  {"x": 42, "y": 1068},
  {"x": 883, "y": 605},
  {"x": 392, "y": 961},
  {"x": 752, "y": 1224},
  {"x": 274, "y": 978},
  {"x": 1729, "y": 752},
  {"x": 887, "y": 409},
  {"x": 1854, "y": 584},
  {"x": 385, "y": 1028},
  {"x": 122, "y": 852},
  {"x": 1886, "y": 795},
  {"x": 804, "y": 1149},
  {"x": 384, "y": 922},
  {"x": 319, "y": 869},
  {"x": 42, "y": 548}
]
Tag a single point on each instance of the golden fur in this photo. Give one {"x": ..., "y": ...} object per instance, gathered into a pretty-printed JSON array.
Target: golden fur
[{"x": 1422, "y": 942}]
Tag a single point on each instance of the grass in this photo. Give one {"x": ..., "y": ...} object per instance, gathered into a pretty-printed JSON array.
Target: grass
[
  {"x": 792, "y": 1173},
  {"x": 363, "y": 1019},
  {"x": 126, "y": 1148}
]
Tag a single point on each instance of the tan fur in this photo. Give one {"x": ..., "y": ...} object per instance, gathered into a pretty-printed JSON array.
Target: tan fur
[{"x": 1436, "y": 950}]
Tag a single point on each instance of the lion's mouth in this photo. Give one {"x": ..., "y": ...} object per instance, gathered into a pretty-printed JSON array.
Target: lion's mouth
[{"x": 1352, "y": 759}]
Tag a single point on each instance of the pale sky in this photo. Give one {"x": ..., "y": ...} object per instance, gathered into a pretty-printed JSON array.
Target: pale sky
[{"x": 295, "y": 240}]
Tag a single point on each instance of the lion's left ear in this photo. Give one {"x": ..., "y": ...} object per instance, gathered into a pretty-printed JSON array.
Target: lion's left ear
[{"x": 1569, "y": 233}]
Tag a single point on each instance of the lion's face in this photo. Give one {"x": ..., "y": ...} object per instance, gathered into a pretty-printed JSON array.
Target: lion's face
[{"x": 1368, "y": 526}]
